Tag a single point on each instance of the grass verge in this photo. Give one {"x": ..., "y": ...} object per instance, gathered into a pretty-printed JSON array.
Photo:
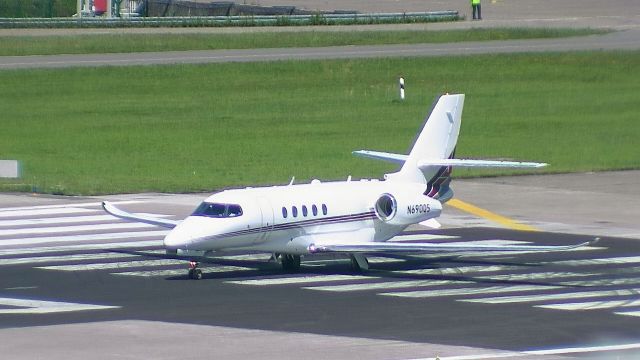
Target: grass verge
[
  {"x": 121, "y": 43},
  {"x": 201, "y": 127}
]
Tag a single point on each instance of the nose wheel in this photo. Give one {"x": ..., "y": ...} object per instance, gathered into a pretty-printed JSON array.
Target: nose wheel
[{"x": 194, "y": 271}]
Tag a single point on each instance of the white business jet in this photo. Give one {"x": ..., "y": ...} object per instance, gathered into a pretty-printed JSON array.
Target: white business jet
[{"x": 352, "y": 217}]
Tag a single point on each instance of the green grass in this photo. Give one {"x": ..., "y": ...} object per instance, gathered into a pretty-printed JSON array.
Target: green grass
[
  {"x": 202, "y": 127},
  {"x": 118, "y": 43}
]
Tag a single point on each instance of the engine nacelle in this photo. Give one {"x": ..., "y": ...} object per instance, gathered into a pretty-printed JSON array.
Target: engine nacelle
[{"x": 406, "y": 208}]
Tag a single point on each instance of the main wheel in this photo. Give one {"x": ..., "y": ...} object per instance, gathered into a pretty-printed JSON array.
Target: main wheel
[{"x": 290, "y": 263}]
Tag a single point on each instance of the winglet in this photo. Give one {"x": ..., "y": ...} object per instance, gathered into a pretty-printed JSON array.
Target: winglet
[{"x": 109, "y": 208}]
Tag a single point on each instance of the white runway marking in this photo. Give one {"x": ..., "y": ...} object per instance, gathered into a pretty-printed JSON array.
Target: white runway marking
[
  {"x": 74, "y": 205},
  {"x": 39, "y": 212},
  {"x": 64, "y": 258},
  {"x": 594, "y": 305},
  {"x": 300, "y": 280},
  {"x": 428, "y": 283},
  {"x": 470, "y": 291},
  {"x": 67, "y": 220},
  {"x": 547, "y": 297},
  {"x": 561, "y": 351},
  {"x": 460, "y": 270},
  {"x": 114, "y": 265},
  {"x": 46, "y": 307},
  {"x": 386, "y": 285},
  {"x": 75, "y": 228},
  {"x": 79, "y": 238},
  {"x": 179, "y": 272},
  {"x": 61, "y": 248},
  {"x": 628, "y": 313},
  {"x": 599, "y": 261}
]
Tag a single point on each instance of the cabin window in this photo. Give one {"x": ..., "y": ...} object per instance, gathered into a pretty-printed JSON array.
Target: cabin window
[
  {"x": 234, "y": 210},
  {"x": 217, "y": 210},
  {"x": 294, "y": 211},
  {"x": 304, "y": 211},
  {"x": 314, "y": 210},
  {"x": 284, "y": 212},
  {"x": 324, "y": 209}
]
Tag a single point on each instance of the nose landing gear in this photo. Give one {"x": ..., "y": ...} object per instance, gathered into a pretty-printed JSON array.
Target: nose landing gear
[{"x": 194, "y": 271}]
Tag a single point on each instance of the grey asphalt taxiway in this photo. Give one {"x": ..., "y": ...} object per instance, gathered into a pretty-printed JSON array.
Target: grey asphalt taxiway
[{"x": 77, "y": 282}]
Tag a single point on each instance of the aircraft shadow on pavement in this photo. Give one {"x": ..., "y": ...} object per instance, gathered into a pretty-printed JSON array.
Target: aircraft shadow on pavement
[{"x": 340, "y": 265}]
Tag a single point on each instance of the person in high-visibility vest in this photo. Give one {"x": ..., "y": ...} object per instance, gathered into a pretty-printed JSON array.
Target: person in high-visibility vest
[{"x": 475, "y": 7}]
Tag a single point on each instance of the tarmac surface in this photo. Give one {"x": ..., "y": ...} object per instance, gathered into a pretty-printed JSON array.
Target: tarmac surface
[
  {"x": 77, "y": 283},
  {"x": 626, "y": 40}
]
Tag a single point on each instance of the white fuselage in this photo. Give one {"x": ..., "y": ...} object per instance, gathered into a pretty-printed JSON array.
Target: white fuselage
[{"x": 290, "y": 219}]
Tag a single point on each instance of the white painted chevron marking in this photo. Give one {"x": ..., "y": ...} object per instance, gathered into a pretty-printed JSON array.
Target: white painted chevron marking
[
  {"x": 598, "y": 261},
  {"x": 179, "y": 272},
  {"x": 82, "y": 247},
  {"x": 536, "y": 276},
  {"x": 386, "y": 285},
  {"x": 68, "y": 220},
  {"x": 460, "y": 270},
  {"x": 470, "y": 291},
  {"x": 75, "y": 228},
  {"x": 70, "y": 205},
  {"x": 80, "y": 238},
  {"x": 529, "y": 353},
  {"x": 593, "y": 305},
  {"x": 40, "y": 212},
  {"x": 25, "y": 306},
  {"x": 300, "y": 280},
  {"x": 64, "y": 258},
  {"x": 547, "y": 297},
  {"x": 114, "y": 265},
  {"x": 628, "y": 313}
]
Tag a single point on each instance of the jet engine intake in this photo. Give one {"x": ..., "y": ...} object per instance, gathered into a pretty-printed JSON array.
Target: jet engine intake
[
  {"x": 386, "y": 207},
  {"x": 406, "y": 208}
]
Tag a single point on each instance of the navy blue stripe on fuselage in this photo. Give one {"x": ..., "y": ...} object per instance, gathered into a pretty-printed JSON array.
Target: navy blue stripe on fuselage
[{"x": 298, "y": 224}]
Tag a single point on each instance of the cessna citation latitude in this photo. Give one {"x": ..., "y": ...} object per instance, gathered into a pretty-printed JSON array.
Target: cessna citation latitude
[{"x": 351, "y": 217}]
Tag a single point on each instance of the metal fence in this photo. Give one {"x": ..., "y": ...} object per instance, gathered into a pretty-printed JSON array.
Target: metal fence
[{"x": 262, "y": 20}]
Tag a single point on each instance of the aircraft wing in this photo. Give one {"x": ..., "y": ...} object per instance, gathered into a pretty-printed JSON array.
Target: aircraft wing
[
  {"x": 139, "y": 218},
  {"x": 432, "y": 247},
  {"x": 479, "y": 163}
]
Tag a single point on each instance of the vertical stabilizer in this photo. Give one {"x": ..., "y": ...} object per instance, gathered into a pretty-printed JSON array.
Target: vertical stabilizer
[{"x": 436, "y": 141}]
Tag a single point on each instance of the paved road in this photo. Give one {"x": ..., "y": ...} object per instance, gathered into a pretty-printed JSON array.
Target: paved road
[
  {"x": 620, "y": 15},
  {"x": 629, "y": 39}
]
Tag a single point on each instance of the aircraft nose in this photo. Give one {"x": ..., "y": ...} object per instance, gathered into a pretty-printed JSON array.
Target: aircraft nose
[{"x": 177, "y": 240}]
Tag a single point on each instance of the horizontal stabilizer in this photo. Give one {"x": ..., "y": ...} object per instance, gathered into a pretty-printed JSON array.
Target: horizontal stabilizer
[
  {"x": 434, "y": 247},
  {"x": 139, "y": 218},
  {"x": 478, "y": 163},
  {"x": 378, "y": 155}
]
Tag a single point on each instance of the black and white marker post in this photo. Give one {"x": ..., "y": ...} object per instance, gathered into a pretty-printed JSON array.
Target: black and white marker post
[{"x": 401, "y": 88}]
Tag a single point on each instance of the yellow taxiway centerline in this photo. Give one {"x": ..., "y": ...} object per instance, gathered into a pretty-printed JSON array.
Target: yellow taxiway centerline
[{"x": 474, "y": 210}]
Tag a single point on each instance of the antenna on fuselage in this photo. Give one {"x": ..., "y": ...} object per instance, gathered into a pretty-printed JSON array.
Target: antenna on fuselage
[
  {"x": 348, "y": 178},
  {"x": 292, "y": 180}
]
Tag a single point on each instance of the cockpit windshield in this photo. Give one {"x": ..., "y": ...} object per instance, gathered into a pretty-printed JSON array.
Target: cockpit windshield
[{"x": 218, "y": 210}]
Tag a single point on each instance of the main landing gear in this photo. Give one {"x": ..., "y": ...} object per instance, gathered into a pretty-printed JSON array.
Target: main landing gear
[
  {"x": 290, "y": 263},
  {"x": 194, "y": 271}
]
